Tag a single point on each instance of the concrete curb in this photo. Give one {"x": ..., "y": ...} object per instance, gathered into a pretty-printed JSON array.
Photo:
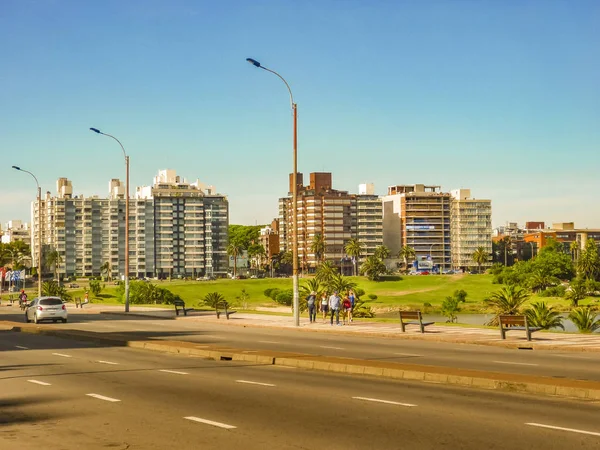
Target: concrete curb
[{"x": 564, "y": 387}]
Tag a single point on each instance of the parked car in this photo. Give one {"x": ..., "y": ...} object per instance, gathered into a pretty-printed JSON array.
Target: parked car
[
  {"x": 73, "y": 285},
  {"x": 46, "y": 308}
]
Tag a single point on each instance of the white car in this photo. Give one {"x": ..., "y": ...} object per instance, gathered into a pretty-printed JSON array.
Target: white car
[{"x": 46, "y": 308}]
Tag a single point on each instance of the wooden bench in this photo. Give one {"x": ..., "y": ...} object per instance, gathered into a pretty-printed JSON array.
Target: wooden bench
[
  {"x": 180, "y": 306},
  {"x": 12, "y": 299},
  {"x": 223, "y": 308},
  {"x": 515, "y": 323},
  {"x": 415, "y": 318}
]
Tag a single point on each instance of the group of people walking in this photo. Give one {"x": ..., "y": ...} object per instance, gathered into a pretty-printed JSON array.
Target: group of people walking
[{"x": 331, "y": 304}]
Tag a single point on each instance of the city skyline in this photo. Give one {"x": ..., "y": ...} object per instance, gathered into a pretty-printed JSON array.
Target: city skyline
[{"x": 498, "y": 98}]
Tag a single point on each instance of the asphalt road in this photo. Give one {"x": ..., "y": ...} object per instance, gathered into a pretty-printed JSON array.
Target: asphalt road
[
  {"x": 63, "y": 394},
  {"x": 575, "y": 365}
]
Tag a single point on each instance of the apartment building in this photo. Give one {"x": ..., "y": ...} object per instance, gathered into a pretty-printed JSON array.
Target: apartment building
[
  {"x": 369, "y": 219},
  {"x": 269, "y": 239},
  {"x": 15, "y": 230},
  {"x": 418, "y": 216},
  {"x": 470, "y": 228},
  {"x": 176, "y": 228}
]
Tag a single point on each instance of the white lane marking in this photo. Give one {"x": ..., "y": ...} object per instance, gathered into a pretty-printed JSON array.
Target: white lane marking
[
  {"x": 62, "y": 354},
  {"x": 21, "y": 347},
  {"x": 102, "y": 397},
  {"x": 574, "y": 357},
  {"x": 269, "y": 342},
  {"x": 407, "y": 354},
  {"x": 210, "y": 422},
  {"x": 41, "y": 383},
  {"x": 174, "y": 371},
  {"x": 332, "y": 348},
  {"x": 572, "y": 430},
  {"x": 383, "y": 401},
  {"x": 254, "y": 382},
  {"x": 515, "y": 363},
  {"x": 107, "y": 362},
  {"x": 250, "y": 351}
]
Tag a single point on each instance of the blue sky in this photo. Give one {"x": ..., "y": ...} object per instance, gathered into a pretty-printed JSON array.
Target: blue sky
[{"x": 498, "y": 96}]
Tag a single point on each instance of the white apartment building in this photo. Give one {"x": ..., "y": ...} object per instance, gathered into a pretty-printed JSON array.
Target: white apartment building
[
  {"x": 15, "y": 230},
  {"x": 471, "y": 228},
  {"x": 175, "y": 229}
]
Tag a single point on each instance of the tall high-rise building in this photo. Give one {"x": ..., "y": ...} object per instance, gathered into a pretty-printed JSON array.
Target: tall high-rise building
[
  {"x": 337, "y": 216},
  {"x": 471, "y": 228},
  {"x": 176, "y": 228},
  {"x": 418, "y": 216}
]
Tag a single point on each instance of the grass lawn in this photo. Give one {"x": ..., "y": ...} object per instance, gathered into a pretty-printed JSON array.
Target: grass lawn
[{"x": 407, "y": 291}]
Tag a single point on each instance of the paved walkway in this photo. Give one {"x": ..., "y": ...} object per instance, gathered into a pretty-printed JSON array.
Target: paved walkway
[{"x": 440, "y": 333}]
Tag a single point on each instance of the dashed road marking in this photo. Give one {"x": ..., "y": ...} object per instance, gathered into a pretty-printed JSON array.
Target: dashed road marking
[
  {"x": 41, "y": 383},
  {"x": 269, "y": 342},
  {"x": 388, "y": 402},
  {"x": 62, "y": 354},
  {"x": 407, "y": 354},
  {"x": 210, "y": 422},
  {"x": 102, "y": 397},
  {"x": 21, "y": 347},
  {"x": 254, "y": 382},
  {"x": 332, "y": 348},
  {"x": 515, "y": 363},
  {"x": 572, "y": 430},
  {"x": 107, "y": 362},
  {"x": 176, "y": 372}
]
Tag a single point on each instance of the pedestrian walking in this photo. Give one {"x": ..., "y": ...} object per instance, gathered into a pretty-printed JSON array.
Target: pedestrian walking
[
  {"x": 324, "y": 305},
  {"x": 311, "y": 302},
  {"x": 352, "y": 297},
  {"x": 334, "y": 307},
  {"x": 347, "y": 309}
]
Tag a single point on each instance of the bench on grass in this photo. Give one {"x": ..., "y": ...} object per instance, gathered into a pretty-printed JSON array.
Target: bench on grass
[
  {"x": 515, "y": 323},
  {"x": 413, "y": 318},
  {"x": 12, "y": 299},
  {"x": 180, "y": 306},
  {"x": 223, "y": 308}
]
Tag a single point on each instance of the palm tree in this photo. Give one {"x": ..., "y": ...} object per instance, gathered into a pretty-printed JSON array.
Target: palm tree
[
  {"x": 310, "y": 285},
  {"x": 543, "y": 316},
  {"x": 540, "y": 281},
  {"x": 340, "y": 283},
  {"x": 574, "y": 248},
  {"x": 325, "y": 272},
  {"x": 234, "y": 250},
  {"x": 585, "y": 319},
  {"x": 106, "y": 269},
  {"x": 406, "y": 253},
  {"x": 354, "y": 248},
  {"x": 480, "y": 256},
  {"x": 588, "y": 264},
  {"x": 577, "y": 291},
  {"x": 317, "y": 246},
  {"x": 507, "y": 300},
  {"x": 381, "y": 252},
  {"x": 55, "y": 260},
  {"x": 373, "y": 268},
  {"x": 213, "y": 299},
  {"x": 256, "y": 253}
]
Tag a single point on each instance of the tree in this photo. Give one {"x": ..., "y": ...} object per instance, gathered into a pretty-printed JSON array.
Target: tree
[
  {"x": 381, "y": 252},
  {"x": 256, "y": 253},
  {"x": 554, "y": 261},
  {"x": 96, "y": 287},
  {"x": 213, "y": 299},
  {"x": 373, "y": 268},
  {"x": 450, "y": 308},
  {"x": 480, "y": 256},
  {"x": 244, "y": 235},
  {"x": 407, "y": 253},
  {"x": 577, "y": 291},
  {"x": 354, "y": 248},
  {"x": 588, "y": 264},
  {"x": 317, "y": 246},
  {"x": 325, "y": 272},
  {"x": 234, "y": 250},
  {"x": 584, "y": 319},
  {"x": 575, "y": 250},
  {"x": 340, "y": 284},
  {"x": 310, "y": 285},
  {"x": 54, "y": 260},
  {"x": 540, "y": 315},
  {"x": 53, "y": 289},
  {"x": 106, "y": 270},
  {"x": 539, "y": 281},
  {"x": 507, "y": 300}
]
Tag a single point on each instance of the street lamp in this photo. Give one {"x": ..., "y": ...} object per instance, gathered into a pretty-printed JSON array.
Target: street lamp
[
  {"x": 294, "y": 194},
  {"x": 39, "y": 255},
  {"x": 95, "y": 130}
]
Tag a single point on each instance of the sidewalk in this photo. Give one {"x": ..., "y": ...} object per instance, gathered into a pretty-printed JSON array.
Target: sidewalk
[{"x": 541, "y": 340}]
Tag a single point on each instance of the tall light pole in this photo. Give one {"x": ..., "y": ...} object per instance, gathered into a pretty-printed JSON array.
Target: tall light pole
[
  {"x": 294, "y": 194},
  {"x": 95, "y": 130},
  {"x": 39, "y": 211}
]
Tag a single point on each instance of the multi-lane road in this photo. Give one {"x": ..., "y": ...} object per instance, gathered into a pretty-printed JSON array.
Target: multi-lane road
[
  {"x": 575, "y": 365},
  {"x": 63, "y": 394}
]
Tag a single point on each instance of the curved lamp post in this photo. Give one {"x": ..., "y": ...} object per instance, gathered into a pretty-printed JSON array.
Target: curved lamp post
[
  {"x": 294, "y": 193},
  {"x": 39, "y": 253},
  {"x": 96, "y": 130}
]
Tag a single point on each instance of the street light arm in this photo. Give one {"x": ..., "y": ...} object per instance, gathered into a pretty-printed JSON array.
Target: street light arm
[
  {"x": 111, "y": 136},
  {"x": 27, "y": 171},
  {"x": 286, "y": 84}
]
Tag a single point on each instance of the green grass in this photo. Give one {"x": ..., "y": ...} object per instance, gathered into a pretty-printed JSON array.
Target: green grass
[{"x": 407, "y": 291}]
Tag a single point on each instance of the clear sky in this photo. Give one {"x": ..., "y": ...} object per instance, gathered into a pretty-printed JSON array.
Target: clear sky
[{"x": 502, "y": 97}]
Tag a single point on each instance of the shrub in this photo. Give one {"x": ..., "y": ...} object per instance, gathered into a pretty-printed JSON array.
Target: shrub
[
  {"x": 267, "y": 292},
  {"x": 450, "y": 308},
  {"x": 554, "y": 291},
  {"x": 285, "y": 297},
  {"x": 274, "y": 293},
  {"x": 95, "y": 287},
  {"x": 584, "y": 319},
  {"x": 372, "y": 297},
  {"x": 540, "y": 315}
]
